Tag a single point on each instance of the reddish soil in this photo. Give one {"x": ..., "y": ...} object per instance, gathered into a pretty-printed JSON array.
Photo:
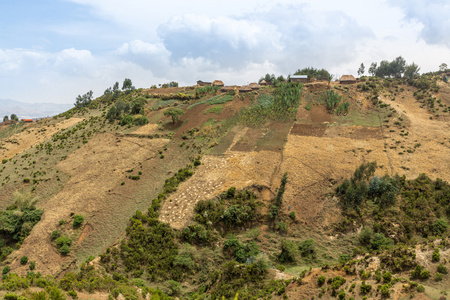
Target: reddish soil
[{"x": 309, "y": 129}]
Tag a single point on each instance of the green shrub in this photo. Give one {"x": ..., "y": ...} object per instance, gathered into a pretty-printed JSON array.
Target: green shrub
[
  {"x": 420, "y": 289},
  {"x": 387, "y": 277},
  {"x": 140, "y": 120},
  {"x": 365, "y": 288},
  {"x": 321, "y": 280},
  {"x": 307, "y": 248},
  {"x": 65, "y": 249},
  {"x": 77, "y": 221},
  {"x": 281, "y": 226},
  {"x": 292, "y": 215},
  {"x": 55, "y": 234},
  {"x": 439, "y": 227},
  {"x": 73, "y": 294},
  {"x": 32, "y": 265},
  {"x": 385, "y": 290},
  {"x": 24, "y": 260},
  {"x": 10, "y": 296},
  {"x": 436, "y": 256},
  {"x": 289, "y": 251},
  {"x": 438, "y": 276},
  {"x": 6, "y": 270},
  {"x": 441, "y": 269}
]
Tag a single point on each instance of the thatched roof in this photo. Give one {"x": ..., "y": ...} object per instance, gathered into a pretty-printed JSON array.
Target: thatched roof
[
  {"x": 218, "y": 83},
  {"x": 347, "y": 78},
  {"x": 254, "y": 86},
  {"x": 203, "y": 83},
  {"x": 263, "y": 82},
  {"x": 229, "y": 88},
  {"x": 245, "y": 89}
]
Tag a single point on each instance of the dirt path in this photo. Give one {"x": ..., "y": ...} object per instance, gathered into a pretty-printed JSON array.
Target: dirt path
[{"x": 22, "y": 141}]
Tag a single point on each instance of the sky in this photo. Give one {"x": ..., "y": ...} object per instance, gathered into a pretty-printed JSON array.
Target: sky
[{"x": 53, "y": 50}]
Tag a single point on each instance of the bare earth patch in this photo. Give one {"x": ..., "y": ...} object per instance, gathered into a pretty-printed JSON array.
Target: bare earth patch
[
  {"x": 215, "y": 175},
  {"x": 95, "y": 170},
  {"x": 22, "y": 141}
]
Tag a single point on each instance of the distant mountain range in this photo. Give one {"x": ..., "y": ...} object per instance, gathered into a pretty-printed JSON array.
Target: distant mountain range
[{"x": 30, "y": 110}]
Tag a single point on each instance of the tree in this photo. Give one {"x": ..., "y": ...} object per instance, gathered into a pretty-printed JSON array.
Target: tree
[
  {"x": 373, "y": 69},
  {"x": 14, "y": 117},
  {"x": 83, "y": 101},
  {"x": 384, "y": 69},
  {"x": 411, "y": 71},
  {"x": 5, "y": 118},
  {"x": 397, "y": 67},
  {"x": 116, "y": 87},
  {"x": 174, "y": 113},
  {"x": 443, "y": 67},
  {"x": 127, "y": 85},
  {"x": 361, "y": 69}
]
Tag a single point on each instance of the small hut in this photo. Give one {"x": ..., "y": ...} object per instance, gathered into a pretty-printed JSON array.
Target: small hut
[
  {"x": 202, "y": 83},
  {"x": 347, "y": 79},
  {"x": 254, "y": 86},
  {"x": 218, "y": 83},
  {"x": 299, "y": 78},
  {"x": 229, "y": 88},
  {"x": 245, "y": 89},
  {"x": 27, "y": 120},
  {"x": 263, "y": 83}
]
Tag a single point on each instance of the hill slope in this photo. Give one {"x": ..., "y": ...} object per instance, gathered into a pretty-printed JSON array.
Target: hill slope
[{"x": 104, "y": 163}]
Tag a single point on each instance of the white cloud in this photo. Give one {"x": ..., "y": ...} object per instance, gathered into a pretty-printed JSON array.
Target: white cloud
[{"x": 433, "y": 15}]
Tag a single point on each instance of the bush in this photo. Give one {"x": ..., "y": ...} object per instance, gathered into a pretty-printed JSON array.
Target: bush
[
  {"x": 321, "y": 280},
  {"x": 436, "y": 256},
  {"x": 420, "y": 289},
  {"x": 32, "y": 265},
  {"x": 10, "y": 296},
  {"x": 55, "y": 234},
  {"x": 77, "y": 221},
  {"x": 439, "y": 227},
  {"x": 6, "y": 270},
  {"x": 307, "y": 248},
  {"x": 65, "y": 249},
  {"x": 292, "y": 215},
  {"x": 289, "y": 251},
  {"x": 441, "y": 269},
  {"x": 365, "y": 288},
  {"x": 24, "y": 260},
  {"x": 438, "y": 277},
  {"x": 387, "y": 277},
  {"x": 385, "y": 292},
  {"x": 140, "y": 120},
  {"x": 281, "y": 226}
]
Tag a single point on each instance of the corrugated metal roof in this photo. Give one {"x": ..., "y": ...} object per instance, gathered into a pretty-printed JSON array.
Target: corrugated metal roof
[{"x": 300, "y": 76}]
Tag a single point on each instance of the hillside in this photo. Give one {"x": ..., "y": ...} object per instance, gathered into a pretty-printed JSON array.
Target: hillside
[{"x": 204, "y": 194}]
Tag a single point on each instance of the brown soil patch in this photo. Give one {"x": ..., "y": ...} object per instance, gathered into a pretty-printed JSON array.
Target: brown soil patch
[
  {"x": 87, "y": 230},
  {"x": 317, "y": 130},
  {"x": 313, "y": 162},
  {"x": 146, "y": 129},
  {"x": 196, "y": 117},
  {"x": 95, "y": 170},
  {"x": 319, "y": 114},
  {"x": 215, "y": 175},
  {"x": 248, "y": 141},
  {"x": 355, "y": 132},
  {"x": 31, "y": 136},
  {"x": 274, "y": 137}
]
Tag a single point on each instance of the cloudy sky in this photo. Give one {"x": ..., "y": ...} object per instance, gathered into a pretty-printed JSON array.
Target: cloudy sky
[{"x": 53, "y": 50}]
